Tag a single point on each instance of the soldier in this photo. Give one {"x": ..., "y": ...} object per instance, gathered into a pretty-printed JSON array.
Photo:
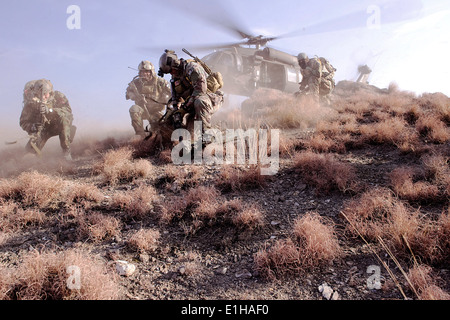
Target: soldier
[
  {"x": 317, "y": 77},
  {"x": 45, "y": 114},
  {"x": 192, "y": 88},
  {"x": 150, "y": 94}
]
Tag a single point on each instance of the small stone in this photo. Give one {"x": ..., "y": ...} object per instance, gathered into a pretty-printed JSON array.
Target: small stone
[
  {"x": 143, "y": 257},
  {"x": 326, "y": 291},
  {"x": 124, "y": 268},
  {"x": 243, "y": 274},
  {"x": 275, "y": 223},
  {"x": 335, "y": 296},
  {"x": 182, "y": 270}
]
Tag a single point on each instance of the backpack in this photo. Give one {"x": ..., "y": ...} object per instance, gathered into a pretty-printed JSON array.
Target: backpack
[
  {"x": 214, "y": 82},
  {"x": 327, "y": 68}
]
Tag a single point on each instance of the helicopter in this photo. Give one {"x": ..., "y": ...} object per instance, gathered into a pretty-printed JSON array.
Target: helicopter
[
  {"x": 247, "y": 69},
  {"x": 251, "y": 64}
]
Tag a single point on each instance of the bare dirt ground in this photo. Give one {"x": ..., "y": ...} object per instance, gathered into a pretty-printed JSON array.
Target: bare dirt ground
[{"x": 215, "y": 260}]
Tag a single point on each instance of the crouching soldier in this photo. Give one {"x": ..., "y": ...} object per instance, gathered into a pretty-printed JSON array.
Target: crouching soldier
[
  {"x": 45, "y": 114},
  {"x": 150, "y": 95}
]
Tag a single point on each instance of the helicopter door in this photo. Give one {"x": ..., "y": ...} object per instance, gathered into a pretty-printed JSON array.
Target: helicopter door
[{"x": 273, "y": 75}]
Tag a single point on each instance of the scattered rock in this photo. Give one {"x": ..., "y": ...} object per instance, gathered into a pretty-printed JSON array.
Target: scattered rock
[
  {"x": 143, "y": 257},
  {"x": 328, "y": 292},
  {"x": 124, "y": 268},
  {"x": 243, "y": 274}
]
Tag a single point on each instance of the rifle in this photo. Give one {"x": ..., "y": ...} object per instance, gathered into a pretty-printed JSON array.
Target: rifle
[
  {"x": 214, "y": 80},
  {"x": 204, "y": 65},
  {"x": 34, "y": 137}
]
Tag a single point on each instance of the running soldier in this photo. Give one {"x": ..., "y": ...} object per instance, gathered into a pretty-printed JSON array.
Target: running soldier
[{"x": 317, "y": 77}]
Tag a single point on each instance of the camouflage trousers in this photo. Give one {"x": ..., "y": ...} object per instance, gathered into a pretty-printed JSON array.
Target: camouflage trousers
[
  {"x": 61, "y": 127},
  {"x": 205, "y": 106},
  {"x": 138, "y": 114}
]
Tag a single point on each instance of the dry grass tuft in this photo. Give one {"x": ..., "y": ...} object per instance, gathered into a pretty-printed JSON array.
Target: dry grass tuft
[
  {"x": 403, "y": 185},
  {"x": 118, "y": 166},
  {"x": 204, "y": 206},
  {"x": 136, "y": 203},
  {"x": 144, "y": 240},
  {"x": 431, "y": 127},
  {"x": 315, "y": 245},
  {"x": 98, "y": 227},
  {"x": 317, "y": 239},
  {"x": 325, "y": 172},
  {"x": 44, "y": 276},
  {"x": 232, "y": 178},
  {"x": 422, "y": 280},
  {"x": 13, "y": 218},
  {"x": 376, "y": 213},
  {"x": 33, "y": 189}
]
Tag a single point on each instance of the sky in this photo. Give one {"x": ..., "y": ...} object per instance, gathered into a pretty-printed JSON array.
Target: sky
[{"x": 88, "y": 54}]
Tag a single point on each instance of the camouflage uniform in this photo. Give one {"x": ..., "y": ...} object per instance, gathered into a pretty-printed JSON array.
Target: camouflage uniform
[
  {"x": 317, "y": 78},
  {"x": 192, "y": 86},
  {"x": 150, "y": 97},
  {"x": 43, "y": 120}
]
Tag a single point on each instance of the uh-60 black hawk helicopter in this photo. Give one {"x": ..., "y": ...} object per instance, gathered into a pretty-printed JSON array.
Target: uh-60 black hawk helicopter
[{"x": 245, "y": 69}]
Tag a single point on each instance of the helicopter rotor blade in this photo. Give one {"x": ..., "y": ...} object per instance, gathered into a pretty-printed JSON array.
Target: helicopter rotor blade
[
  {"x": 213, "y": 12},
  {"x": 388, "y": 13}
]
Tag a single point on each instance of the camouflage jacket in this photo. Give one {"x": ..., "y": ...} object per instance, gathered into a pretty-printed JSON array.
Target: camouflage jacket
[
  {"x": 148, "y": 93},
  {"x": 57, "y": 108},
  {"x": 313, "y": 70}
]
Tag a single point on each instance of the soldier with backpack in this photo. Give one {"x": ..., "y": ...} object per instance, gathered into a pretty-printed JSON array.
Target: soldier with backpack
[
  {"x": 193, "y": 90},
  {"x": 318, "y": 77}
]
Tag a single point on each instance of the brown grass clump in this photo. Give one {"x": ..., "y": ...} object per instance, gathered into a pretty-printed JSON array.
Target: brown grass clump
[
  {"x": 13, "y": 218},
  {"x": 118, "y": 166},
  {"x": 403, "y": 185},
  {"x": 83, "y": 193},
  {"x": 443, "y": 235},
  {"x": 325, "y": 172},
  {"x": 144, "y": 240},
  {"x": 438, "y": 170},
  {"x": 98, "y": 227},
  {"x": 136, "y": 203},
  {"x": 203, "y": 206},
  {"x": 391, "y": 131},
  {"x": 423, "y": 282},
  {"x": 376, "y": 213},
  {"x": 232, "y": 178},
  {"x": 44, "y": 276},
  {"x": 33, "y": 189},
  {"x": 431, "y": 127},
  {"x": 315, "y": 245},
  {"x": 317, "y": 239}
]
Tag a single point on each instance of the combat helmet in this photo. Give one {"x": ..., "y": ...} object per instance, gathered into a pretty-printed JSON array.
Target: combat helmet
[
  {"x": 28, "y": 90},
  {"x": 42, "y": 87},
  {"x": 302, "y": 56},
  {"x": 167, "y": 61},
  {"x": 146, "y": 65}
]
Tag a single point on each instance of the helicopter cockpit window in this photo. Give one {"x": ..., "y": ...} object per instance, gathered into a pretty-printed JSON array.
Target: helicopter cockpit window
[{"x": 226, "y": 60}]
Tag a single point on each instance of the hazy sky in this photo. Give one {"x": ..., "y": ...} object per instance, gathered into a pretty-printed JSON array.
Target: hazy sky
[{"x": 402, "y": 41}]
